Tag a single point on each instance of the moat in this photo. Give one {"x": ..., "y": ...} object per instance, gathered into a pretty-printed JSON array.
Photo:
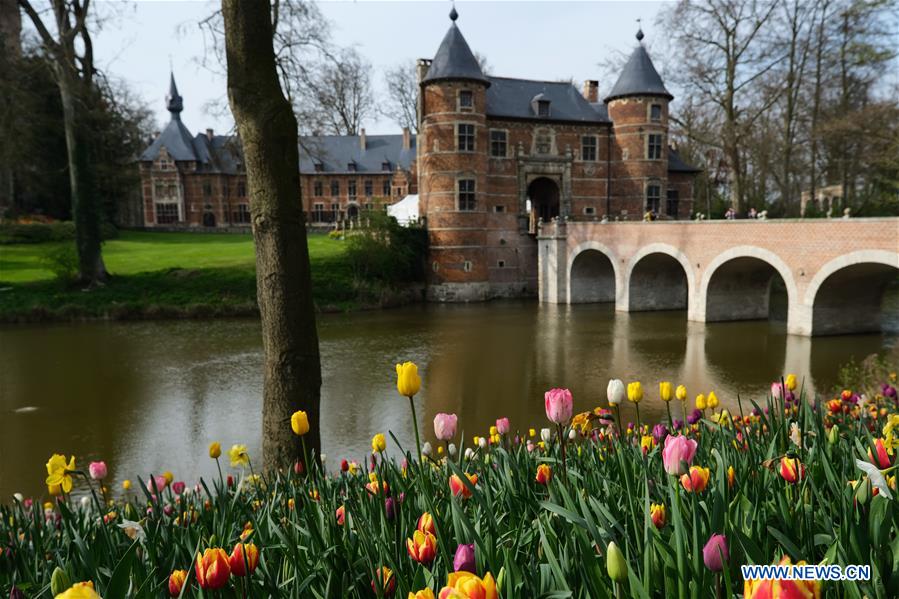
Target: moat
[{"x": 152, "y": 395}]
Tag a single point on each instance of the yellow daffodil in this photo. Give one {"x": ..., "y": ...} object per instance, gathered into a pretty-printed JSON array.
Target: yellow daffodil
[
  {"x": 239, "y": 456},
  {"x": 407, "y": 380},
  {"x": 665, "y": 391},
  {"x": 59, "y": 474},
  {"x": 378, "y": 443},
  {"x": 215, "y": 450},
  {"x": 299, "y": 422}
]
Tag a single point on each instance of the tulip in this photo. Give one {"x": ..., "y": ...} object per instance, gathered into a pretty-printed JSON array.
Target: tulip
[
  {"x": 558, "y": 404},
  {"x": 694, "y": 417},
  {"x": 731, "y": 477},
  {"x": 790, "y": 382},
  {"x": 546, "y": 435},
  {"x": 426, "y": 523},
  {"x": 791, "y": 469},
  {"x": 97, "y": 470},
  {"x": 126, "y": 484},
  {"x": 213, "y": 568},
  {"x": 424, "y": 593},
  {"x": 776, "y": 390},
  {"x": 677, "y": 454},
  {"x": 451, "y": 449},
  {"x": 482, "y": 442},
  {"x": 502, "y": 426},
  {"x": 176, "y": 582},
  {"x": 16, "y": 593},
  {"x": 881, "y": 457},
  {"x": 378, "y": 443},
  {"x": 244, "y": 559},
  {"x": 616, "y": 564},
  {"x": 464, "y": 560},
  {"x": 635, "y": 392},
  {"x": 178, "y": 487},
  {"x": 422, "y": 547},
  {"x": 465, "y": 585},
  {"x": 544, "y": 474},
  {"x": 407, "y": 380},
  {"x": 782, "y": 589},
  {"x": 457, "y": 487},
  {"x": 80, "y": 590},
  {"x": 665, "y": 391},
  {"x": 341, "y": 515},
  {"x": 615, "y": 392},
  {"x": 169, "y": 477},
  {"x": 299, "y": 422},
  {"x": 658, "y": 515},
  {"x": 696, "y": 480},
  {"x": 239, "y": 456},
  {"x": 701, "y": 403},
  {"x": 660, "y": 432},
  {"x": 712, "y": 400},
  {"x": 59, "y": 581},
  {"x": 445, "y": 426},
  {"x": 681, "y": 393},
  {"x": 715, "y": 554},
  {"x": 215, "y": 450},
  {"x": 384, "y": 578}
]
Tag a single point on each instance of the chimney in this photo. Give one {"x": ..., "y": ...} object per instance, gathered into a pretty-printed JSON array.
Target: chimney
[
  {"x": 362, "y": 139},
  {"x": 591, "y": 90},
  {"x": 407, "y": 139},
  {"x": 210, "y": 134},
  {"x": 421, "y": 68}
]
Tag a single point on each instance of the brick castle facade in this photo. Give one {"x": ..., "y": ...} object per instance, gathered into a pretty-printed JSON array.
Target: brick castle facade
[{"x": 493, "y": 159}]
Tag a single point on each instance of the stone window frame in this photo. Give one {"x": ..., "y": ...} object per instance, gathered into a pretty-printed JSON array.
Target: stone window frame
[
  {"x": 167, "y": 206},
  {"x": 669, "y": 201},
  {"x": 595, "y": 139},
  {"x": 650, "y": 183},
  {"x": 505, "y": 142},
  {"x": 649, "y": 116},
  {"x": 473, "y": 191},
  {"x": 368, "y": 188},
  {"x": 474, "y": 136},
  {"x": 589, "y": 211},
  {"x": 650, "y": 146},
  {"x": 461, "y": 107}
]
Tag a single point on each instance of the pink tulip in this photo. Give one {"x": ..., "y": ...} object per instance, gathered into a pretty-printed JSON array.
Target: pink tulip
[
  {"x": 715, "y": 553},
  {"x": 445, "y": 426},
  {"x": 502, "y": 425},
  {"x": 178, "y": 487},
  {"x": 776, "y": 390},
  {"x": 97, "y": 470},
  {"x": 678, "y": 454},
  {"x": 558, "y": 403},
  {"x": 161, "y": 483}
]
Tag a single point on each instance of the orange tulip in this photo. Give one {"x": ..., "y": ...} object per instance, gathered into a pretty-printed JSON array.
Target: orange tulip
[
  {"x": 465, "y": 585},
  {"x": 426, "y": 523},
  {"x": 782, "y": 589},
  {"x": 176, "y": 582},
  {"x": 791, "y": 469},
  {"x": 544, "y": 474},
  {"x": 881, "y": 458},
  {"x": 422, "y": 547},
  {"x": 696, "y": 480},
  {"x": 425, "y": 593},
  {"x": 458, "y": 487},
  {"x": 213, "y": 568},
  {"x": 244, "y": 559},
  {"x": 658, "y": 515},
  {"x": 341, "y": 515},
  {"x": 384, "y": 579}
]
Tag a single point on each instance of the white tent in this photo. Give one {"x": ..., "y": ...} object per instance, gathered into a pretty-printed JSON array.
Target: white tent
[{"x": 405, "y": 211}]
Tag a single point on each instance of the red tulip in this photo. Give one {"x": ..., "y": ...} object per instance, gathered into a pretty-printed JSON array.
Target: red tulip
[
  {"x": 426, "y": 523},
  {"x": 176, "y": 582},
  {"x": 791, "y": 470},
  {"x": 881, "y": 458},
  {"x": 213, "y": 568},
  {"x": 544, "y": 474},
  {"x": 458, "y": 487},
  {"x": 244, "y": 559},
  {"x": 422, "y": 547}
]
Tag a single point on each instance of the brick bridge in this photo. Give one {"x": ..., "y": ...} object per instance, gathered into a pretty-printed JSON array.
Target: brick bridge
[{"x": 835, "y": 272}]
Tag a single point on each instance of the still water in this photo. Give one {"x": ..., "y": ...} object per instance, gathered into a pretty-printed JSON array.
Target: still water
[{"x": 150, "y": 396}]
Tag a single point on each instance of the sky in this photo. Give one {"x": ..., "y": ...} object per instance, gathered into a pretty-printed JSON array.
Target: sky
[{"x": 535, "y": 40}]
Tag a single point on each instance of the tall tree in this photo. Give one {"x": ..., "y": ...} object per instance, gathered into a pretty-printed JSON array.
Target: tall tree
[
  {"x": 335, "y": 96},
  {"x": 401, "y": 104},
  {"x": 268, "y": 131},
  {"x": 72, "y": 57}
]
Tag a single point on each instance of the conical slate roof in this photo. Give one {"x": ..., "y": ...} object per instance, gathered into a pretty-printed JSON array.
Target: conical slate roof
[
  {"x": 454, "y": 59},
  {"x": 174, "y": 103},
  {"x": 639, "y": 77}
]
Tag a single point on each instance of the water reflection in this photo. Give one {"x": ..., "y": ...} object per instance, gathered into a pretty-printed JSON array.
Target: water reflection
[{"x": 151, "y": 396}]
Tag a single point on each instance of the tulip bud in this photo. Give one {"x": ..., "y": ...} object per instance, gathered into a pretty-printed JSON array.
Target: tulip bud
[
  {"x": 451, "y": 449},
  {"x": 85, "y": 502},
  {"x": 616, "y": 564},
  {"x": 615, "y": 392},
  {"x": 546, "y": 435},
  {"x": 464, "y": 560},
  {"x": 59, "y": 581},
  {"x": 344, "y": 465},
  {"x": 16, "y": 593},
  {"x": 426, "y": 449},
  {"x": 833, "y": 435},
  {"x": 715, "y": 553}
]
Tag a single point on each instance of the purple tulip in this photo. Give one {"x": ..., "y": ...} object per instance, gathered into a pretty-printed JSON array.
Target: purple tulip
[
  {"x": 464, "y": 559},
  {"x": 888, "y": 390},
  {"x": 715, "y": 554},
  {"x": 659, "y": 432},
  {"x": 695, "y": 416},
  {"x": 15, "y": 593},
  {"x": 677, "y": 424}
]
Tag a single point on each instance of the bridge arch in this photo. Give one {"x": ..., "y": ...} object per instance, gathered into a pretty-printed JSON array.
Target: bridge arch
[
  {"x": 736, "y": 285},
  {"x": 846, "y": 294},
  {"x": 659, "y": 277},
  {"x": 593, "y": 274}
]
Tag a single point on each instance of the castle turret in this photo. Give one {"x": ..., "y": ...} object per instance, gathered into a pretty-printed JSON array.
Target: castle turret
[
  {"x": 453, "y": 166},
  {"x": 638, "y": 108}
]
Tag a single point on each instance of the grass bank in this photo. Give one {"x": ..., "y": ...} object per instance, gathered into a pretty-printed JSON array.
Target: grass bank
[{"x": 171, "y": 275}]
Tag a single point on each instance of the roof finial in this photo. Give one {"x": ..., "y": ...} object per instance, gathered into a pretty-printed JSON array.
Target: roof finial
[
  {"x": 453, "y": 13},
  {"x": 639, "y": 31}
]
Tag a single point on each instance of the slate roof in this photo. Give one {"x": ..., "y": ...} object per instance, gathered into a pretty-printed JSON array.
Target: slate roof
[
  {"x": 677, "y": 165},
  {"x": 639, "y": 77},
  {"x": 335, "y": 152},
  {"x": 454, "y": 59},
  {"x": 176, "y": 139},
  {"x": 512, "y": 98}
]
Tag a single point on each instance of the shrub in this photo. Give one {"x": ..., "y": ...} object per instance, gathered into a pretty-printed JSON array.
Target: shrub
[
  {"x": 386, "y": 252},
  {"x": 62, "y": 261},
  {"x": 42, "y": 232}
]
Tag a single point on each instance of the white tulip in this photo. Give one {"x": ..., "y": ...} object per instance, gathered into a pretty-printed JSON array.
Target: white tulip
[
  {"x": 482, "y": 443},
  {"x": 426, "y": 449},
  {"x": 572, "y": 435},
  {"x": 85, "y": 502},
  {"x": 616, "y": 392},
  {"x": 451, "y": 449},
  {"x": 469, "y": 453},
  {"x": 18, "y": 497},
  {"x": 876, "y": 477},
  {"x": 546, "y": 435}
]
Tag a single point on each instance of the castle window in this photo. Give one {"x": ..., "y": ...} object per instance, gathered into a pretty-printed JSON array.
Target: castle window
[
  {"x": 351, "y": 167},
  {"x": 655, "y": 113},
  {"x": 465, "y": 137},
  {"x": 466, "y": 100},
  {"x": 369, "y": 188},
  {"x": 207, "y": 189},
  {"x": 498, "y": 143},
  {"x": 242, "y": 189},
  {"x": 588, "y": 148},
  {"x": 351, "y": 188},
  {"x": 242, "y": 214},
  {"x": 385, "y": 166},
  {"x": 318, "y": 213},
  {"x": 385, "y": 188},
  {"x": 466, "y": 195},
  {"x": 589, "y": 210},
  {"x": 466, "y": 266},
  {"x": 317, "y": 189},
  {"x": 499, "y": 208},
  {"x": 671, "y": 203},
  {"x": 654, "y": 146},
  {"x": 653, "y": 197},
  {"x": 319, "y": 167},
  {"x": 166, "y": 213},
  {"x": 335, "y": 211},
  {"x": 543, "y": 108},
  {"x": 335, "y": 187}
]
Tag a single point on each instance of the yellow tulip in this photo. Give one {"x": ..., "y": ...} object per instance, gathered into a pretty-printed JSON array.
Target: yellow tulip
[
  {"x": 681, "y": 393},
  {"x": 532, "y": 432},
  {"x": 168, "y": 476},
  {"x": 239, "y": 456},
  {"x": 665, "y": 391},
  {"x": 59, "y": 474},
  {"x": 712, "y": 400},
  {"x": 790, "y": 382},
  {"x": 407, "y": 380},
  {"x": 378, "y": 443},
  {"x": 126, "y": 484},
  {"x": 215, "y": 450},
  {"x": 80, "y": 590},
  {"x": 701, "y": 402},
  {"x": 299, "y": 422},
  {"x": 425, "y": 593},
  {"x": 634, "y": 392}
]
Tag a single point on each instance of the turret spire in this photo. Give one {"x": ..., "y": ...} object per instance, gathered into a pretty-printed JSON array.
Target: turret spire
[
  {"x": 174, "y": 103},
  {"x": 639, "y": 35}
]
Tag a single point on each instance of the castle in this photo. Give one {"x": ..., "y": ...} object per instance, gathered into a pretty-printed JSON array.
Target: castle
[{"x": 494, "y": 157}]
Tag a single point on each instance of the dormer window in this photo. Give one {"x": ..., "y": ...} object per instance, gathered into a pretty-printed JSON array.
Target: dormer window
[
  {"x": 385, "y": 166},
  {"x": 543, "y": 108},
  {"x": 466, "y": 100},
  {"x": 319, "y": 167},
  {"x": 351, "y": 167}
]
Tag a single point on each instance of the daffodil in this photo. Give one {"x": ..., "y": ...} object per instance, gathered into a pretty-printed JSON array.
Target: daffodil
[
  {"x": 59, "y": 474},
  {"x": 239, "y": 456},
  {"x": 878, "y": 481}
]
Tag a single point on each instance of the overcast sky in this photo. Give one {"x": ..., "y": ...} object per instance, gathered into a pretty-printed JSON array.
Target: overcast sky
[{"x": 537, "y": 40}]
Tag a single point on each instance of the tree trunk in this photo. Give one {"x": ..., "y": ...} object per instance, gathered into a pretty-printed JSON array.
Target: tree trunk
[{"x": 268, "y": 132}]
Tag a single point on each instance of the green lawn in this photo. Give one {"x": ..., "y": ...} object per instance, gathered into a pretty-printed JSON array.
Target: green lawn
[{"x": 165, "y": 275}]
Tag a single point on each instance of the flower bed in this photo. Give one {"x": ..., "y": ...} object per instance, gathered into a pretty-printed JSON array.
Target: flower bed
[{"x": 576, "y": 510}]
